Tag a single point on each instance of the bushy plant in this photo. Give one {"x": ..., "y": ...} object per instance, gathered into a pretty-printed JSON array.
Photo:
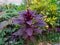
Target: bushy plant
[
  {"x": 50, "y": 10},
  {"x": 47, "y": 8},
  {"x": 30, "y": 23}
]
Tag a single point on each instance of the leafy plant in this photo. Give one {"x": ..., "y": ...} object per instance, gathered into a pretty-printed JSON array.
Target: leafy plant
[
  {"x": 29, "y": 30},
  {"x": 47, "y": 8}
]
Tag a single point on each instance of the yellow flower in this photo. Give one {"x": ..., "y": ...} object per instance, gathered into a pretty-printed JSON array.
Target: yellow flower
[
  {"x": 47, "y": 26},
  {"x": 35, "y": 0}
]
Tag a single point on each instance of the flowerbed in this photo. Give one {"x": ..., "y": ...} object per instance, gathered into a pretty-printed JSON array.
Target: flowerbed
[{"x": 30, "y": 26}]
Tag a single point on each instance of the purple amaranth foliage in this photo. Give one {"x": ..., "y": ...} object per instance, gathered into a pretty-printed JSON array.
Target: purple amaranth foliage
[
  {"x": 26, "y": 19},
  {"x": 58, "y": 30},
  {"x": 49, "y": 30}
]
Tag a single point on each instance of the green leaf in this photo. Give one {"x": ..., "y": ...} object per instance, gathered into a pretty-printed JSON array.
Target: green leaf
[{"x": 1, "y": 41}]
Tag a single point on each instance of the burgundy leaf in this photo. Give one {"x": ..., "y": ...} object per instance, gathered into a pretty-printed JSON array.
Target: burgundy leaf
[
  {"x": 58, "y": 30},
  {"x": 32, "y": 38},
  {"x": 49, "y": 30},
  {"x": 18, "y": 21},
  {"x": 29, "y": 31},
  {"x": 29, "y": 11},
  {"x": 38, "y": 17},
  {"x": 21, "y": 17},
  {"x": 12, "y": 38},
  {"x": 40, "y": 23},
  {"x": 22, "y": 13},
  {"x": 19, "y": 32},
  {"x": 33, "y": 13},
  {"x": 25, "y": 36},
  {"x": 38, "y": 31},
  {"x": 29, "y": 22}
]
